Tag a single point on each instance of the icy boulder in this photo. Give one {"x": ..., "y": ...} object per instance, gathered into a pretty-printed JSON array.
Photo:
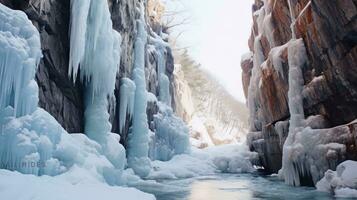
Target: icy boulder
[
  {"x": 171, "y": 137},
  {"x": 342, "y": 182}
]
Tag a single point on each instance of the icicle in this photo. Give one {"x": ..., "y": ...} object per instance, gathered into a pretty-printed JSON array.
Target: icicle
[
  {"x": 20, "y": 55},
  {"x": 138, "y": 138},
  {"x": 297, "y": 59},
  {"x": 95, "y": 51},
  {"x": 164, "y": 82},
  {"x": 127, "y": 97}
]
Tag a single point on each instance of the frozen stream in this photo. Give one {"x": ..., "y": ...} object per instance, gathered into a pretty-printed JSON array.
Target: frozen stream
[{"x": 235, "y": 187}]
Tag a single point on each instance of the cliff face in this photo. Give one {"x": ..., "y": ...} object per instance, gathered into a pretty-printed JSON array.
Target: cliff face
[
  {"x": 58, "y": 95},
  {"x": 329, "y": 33}
]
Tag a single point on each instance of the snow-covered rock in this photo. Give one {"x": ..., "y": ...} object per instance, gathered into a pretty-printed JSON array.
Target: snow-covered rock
[{"x": 342, "y": 182}]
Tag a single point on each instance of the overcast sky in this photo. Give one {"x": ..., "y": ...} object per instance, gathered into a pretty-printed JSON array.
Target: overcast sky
[{"x": 218, "y": 35}]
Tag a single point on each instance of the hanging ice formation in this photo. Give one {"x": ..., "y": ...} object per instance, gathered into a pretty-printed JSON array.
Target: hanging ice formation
[
  {"x": 171, "y": 135},
  {"x": 138, "y": 138},
  {"x": 20, "y": 49},
  {"x": 31, "y": 140},
  {"x": 258, "y": 60},
  {"x": 95, "y": 52},
  {"x": 20, "y": 54},
  {"x": 297, "y": 59},
  {"x": 127, "y": 96},
  {"x": 164, "y": 82}
]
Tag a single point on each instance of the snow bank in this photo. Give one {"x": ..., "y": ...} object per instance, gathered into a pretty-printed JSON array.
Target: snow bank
[
  {"x": 58, "y": 188},
  {"x": 342, "y": 182},
  {"x": 226, "y": 159}
]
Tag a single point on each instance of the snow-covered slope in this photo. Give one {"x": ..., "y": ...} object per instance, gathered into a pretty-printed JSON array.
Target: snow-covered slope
[{"x": 214, "y": 116}]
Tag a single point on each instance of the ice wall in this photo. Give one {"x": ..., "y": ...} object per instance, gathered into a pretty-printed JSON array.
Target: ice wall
[
  {"x": 20, "y": 49},
  {"x": 31, "y": 140}
]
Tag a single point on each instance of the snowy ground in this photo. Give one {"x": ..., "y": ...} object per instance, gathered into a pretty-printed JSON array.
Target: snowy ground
[
  {"x": 78, "y": 183},
  {"x": 227, "y": 159},
  {"x": 60, "y": 188}
]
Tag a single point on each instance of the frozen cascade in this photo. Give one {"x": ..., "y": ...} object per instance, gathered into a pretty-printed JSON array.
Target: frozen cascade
[
  {"x": 297, "y": 58},
  {"x": 258, "y": 60},
  {"x": 20, "y": 54},
  {"x": 98, "y": 63},
  {"x": 33, "y": 142},
  {"x": 127, "y": 96},
  {"x": 171, "y": 137},
  {"x": 138, "y": 138},
  {"x": 164, "y": 82},
  {"x": 20, "y": 49}
]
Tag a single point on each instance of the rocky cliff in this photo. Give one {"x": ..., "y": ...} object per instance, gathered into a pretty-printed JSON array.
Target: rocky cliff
[
  {"x": 61, "y": 96},
  {"x": 328, "y": 30}
]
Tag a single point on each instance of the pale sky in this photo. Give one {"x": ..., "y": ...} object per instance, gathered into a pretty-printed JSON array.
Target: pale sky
[{"x": 218, "y": 35}]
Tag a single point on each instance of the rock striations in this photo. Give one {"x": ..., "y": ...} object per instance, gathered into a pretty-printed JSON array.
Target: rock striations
[{"x": 328, "y": 30}]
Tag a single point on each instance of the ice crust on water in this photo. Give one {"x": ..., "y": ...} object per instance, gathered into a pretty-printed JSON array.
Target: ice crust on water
[
  {"x": 138, "y": 138},
  {"x": 342, "y": 182}
]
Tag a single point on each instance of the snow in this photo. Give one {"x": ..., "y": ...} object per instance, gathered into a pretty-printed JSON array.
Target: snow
[
  {"x": 138, "y": 138},
  {"x": 171, "y": 137},
  {"x": 151, "y": 97},
  {"x": 342, "y": 182},
  {"x": 247, "y": 56},
  {"x": 228, "y": 159},
  {"x": 127, "y": 95},
  {"x": 20, "y": 49},
  {"x": 199, "y": 135},
  {"x": 58, "y": 188}
]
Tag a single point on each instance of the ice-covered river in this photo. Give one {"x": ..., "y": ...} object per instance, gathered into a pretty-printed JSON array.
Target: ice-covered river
[{"x": 235, "y": 187}]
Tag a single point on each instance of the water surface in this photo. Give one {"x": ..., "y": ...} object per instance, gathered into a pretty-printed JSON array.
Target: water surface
[{"x": 235, "y": 187}]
